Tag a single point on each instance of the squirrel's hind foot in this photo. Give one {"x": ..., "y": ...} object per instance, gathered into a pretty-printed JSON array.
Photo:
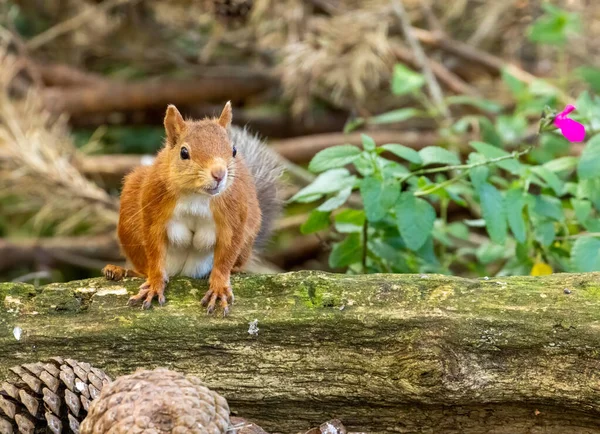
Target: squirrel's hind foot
[
  {"x": 224, "y": 295},
  {"x": 147, "y": 293}
]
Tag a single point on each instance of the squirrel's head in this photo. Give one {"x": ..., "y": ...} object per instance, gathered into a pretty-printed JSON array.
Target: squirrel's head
[{"x": 201, "y": 156}]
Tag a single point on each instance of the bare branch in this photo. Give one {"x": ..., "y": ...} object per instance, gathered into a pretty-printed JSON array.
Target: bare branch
[{"x": 421, "y": 58}]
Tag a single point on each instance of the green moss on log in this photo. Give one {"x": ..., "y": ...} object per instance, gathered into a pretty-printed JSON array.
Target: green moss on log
[{"x": 379, "y": 351}]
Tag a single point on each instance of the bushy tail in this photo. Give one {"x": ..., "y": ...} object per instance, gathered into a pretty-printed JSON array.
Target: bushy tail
[{"x": 266, "y": 168}]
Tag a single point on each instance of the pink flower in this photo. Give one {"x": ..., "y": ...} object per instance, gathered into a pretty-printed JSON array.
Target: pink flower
[{"x": 572, "y": 130}]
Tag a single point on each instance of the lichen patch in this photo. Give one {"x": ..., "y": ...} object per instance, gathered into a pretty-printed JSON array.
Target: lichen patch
[{"x": 118, "y": 290}]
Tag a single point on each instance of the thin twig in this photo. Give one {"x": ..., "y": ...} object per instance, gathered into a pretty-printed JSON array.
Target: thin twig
[
  {"x": 581, "y": 235},
  {"x": 432, "y": 83},
  {"x": 432, "y": 20},
  {"x": 441, "y": 185},
  {"x": 73, "y": 23},
  {"x": 481, "y": 57},
  {"x": 468, "y": 166},
  {"x": 444, "y": 75}
]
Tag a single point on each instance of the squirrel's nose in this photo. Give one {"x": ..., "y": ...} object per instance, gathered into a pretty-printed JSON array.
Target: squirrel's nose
[{"x": 218, "y": 173}]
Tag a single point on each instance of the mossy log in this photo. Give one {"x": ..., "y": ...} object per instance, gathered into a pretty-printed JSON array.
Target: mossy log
[{"x": 383, "y": 353}]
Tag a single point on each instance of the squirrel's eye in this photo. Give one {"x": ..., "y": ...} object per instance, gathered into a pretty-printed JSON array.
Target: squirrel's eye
[
  {"x": 234, "y": 151},
  {"x": 185, "y": 154}
]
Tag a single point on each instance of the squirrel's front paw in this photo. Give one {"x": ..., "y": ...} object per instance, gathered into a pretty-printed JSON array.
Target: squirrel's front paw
[
  {"x": 148, "y": 291},
  {"x": 222, "y": 293}
]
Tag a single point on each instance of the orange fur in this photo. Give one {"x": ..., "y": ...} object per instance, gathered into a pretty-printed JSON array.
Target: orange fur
[{"x": 150, "y": 195}]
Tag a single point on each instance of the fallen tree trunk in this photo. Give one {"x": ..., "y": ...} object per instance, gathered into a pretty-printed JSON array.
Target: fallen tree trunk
[
  {"x": 111, "y": 168},
  {"x": 117, "y": 96},
  {"x": 383, "y": 353}
]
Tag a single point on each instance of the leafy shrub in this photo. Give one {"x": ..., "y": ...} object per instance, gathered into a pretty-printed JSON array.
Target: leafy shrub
[{"x": 533, "y": 208}]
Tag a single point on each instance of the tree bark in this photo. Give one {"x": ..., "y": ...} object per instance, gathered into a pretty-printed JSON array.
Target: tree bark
[{"x": 383, "y": 353}]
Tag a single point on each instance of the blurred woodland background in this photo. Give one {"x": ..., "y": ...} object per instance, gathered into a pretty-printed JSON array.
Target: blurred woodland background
[{"x": 84, "y": 85}]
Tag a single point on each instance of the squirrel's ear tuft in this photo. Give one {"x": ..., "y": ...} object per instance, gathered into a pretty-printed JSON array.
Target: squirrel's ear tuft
[
  {"x": 226, "y": 116},
  {"x": 174, "y": 125}
]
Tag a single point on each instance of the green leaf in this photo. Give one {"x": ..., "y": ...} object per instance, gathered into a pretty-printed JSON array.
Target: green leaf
[
  {"x": 490, "y": 252},
  {"x": 336, "y": 201},
  {"x": 391, "y": 169},
  {"x": 590, "y": 189},
  {"x": 378, "y": 197},
  {"x": 511, "y": 128},
  {"x": 589, "y": 163},
  {"x": 387, "y": 252},
  {"x": 561, "y": 164},
  {"x": 494, "y": 212},
  {"x": 479, "y": 174},
  {"x": 336, "y": 156},
  {"x": 544, "y": 232},
  {"x": 590, "y": 75},
  {"x": 427, "y": 254},
  {"x": 480, "y": 103},
  {"x": 346, "y": 252},
  {"x": 394, "y": 116},
  {"x": 554, "y": 26},
  {"x": 490, "y": 152},
  {"x": 588, "y": 107},
  {"x": 367, "y": 142},
  {"x": 353, "y": 124},
  {"x": 458, "y": 230},
  {"x": 350, "y": 220},
  {"x": 551, "y": 146},
  {"x": 489, "y": 133},
  {"x": 539, "y": 87},
  {"x": 327, "y": 182},
  {"x": 463, "y": 124},
  {"x": 582, "y": 208},
  {"x": 317, "y": 221},
  {"x": 437, "y": 155},
  {"x": 405, "y": 80},
  {"x": 548, "y": 206},
  {"x": 404, "y": 152},
  {"x": 592, "y": 225},
  {"x": 551, "y": 179},
  {"x": 585, "y": 254},
  {"x": 415, "y": 218},
  {"x": 516, "y": 86},
  {"x": 515, "y": 202}
]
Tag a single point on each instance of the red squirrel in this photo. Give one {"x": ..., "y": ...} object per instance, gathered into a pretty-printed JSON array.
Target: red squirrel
[{"x": 208, "y": 200}]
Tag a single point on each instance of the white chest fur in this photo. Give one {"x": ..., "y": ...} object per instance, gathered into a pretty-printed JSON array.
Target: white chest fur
[{"x": 191, "y": 235}]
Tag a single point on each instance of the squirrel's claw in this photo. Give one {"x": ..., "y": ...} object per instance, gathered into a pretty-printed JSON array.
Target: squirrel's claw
[
  {"x": 225, "y": 297},
  {"x": 113, "y": 272},
  {"x": 147, "y": 293}
]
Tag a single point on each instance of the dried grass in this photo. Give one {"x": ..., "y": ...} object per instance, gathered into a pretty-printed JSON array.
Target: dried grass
[
  {"x": 347, "y": 66},
  {"x": 38, "y": 164},
  {"x": 343, "y": 59}
]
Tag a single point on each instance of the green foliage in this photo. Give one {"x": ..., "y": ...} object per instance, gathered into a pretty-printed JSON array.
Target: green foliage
[
  {"x": 554, "y": 26},
  {"x": 317, "y": 221},
  {"x": 336, "y": 156},
  {"x": 591, "y": 76},
  {"x": 406, "y": 81},
  {"x": 586, "y": 254},
  {"x": 415, "y": 218},
  {"x": 527, "y": 209},
  {"x": 544, "y": 205},
  {"x": 494, "y": 212}
]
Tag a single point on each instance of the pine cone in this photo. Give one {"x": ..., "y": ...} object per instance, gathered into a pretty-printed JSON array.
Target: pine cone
[
  {"x": 158, "y": 402},
  {"x": 49, "y": 397}
]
